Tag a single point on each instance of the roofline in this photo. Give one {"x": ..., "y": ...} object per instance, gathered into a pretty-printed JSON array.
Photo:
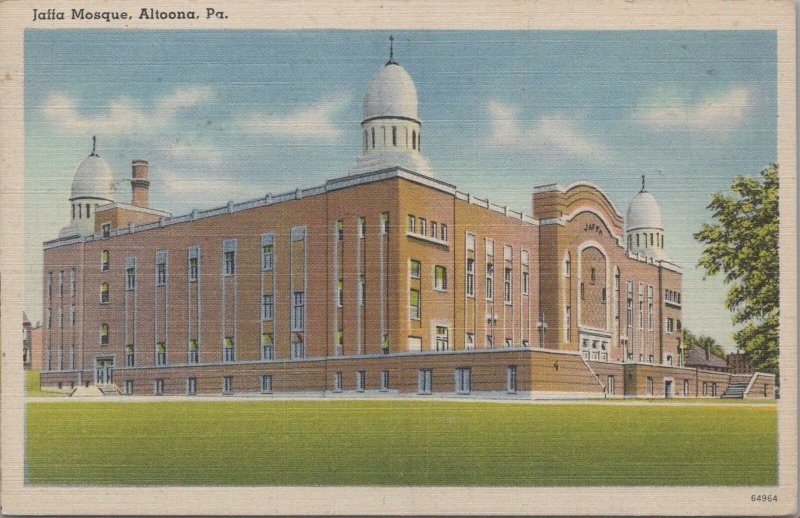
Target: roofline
[
  {"x": 128, "y": 206},
  {"x": 580, "y": 183}
]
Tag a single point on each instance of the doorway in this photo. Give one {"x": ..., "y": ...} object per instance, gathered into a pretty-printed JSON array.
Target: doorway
[
  {"x": 103, "y": 371},
  {"x": 667, "y": 388}
]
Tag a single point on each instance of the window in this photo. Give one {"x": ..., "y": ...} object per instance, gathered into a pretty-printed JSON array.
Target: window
[
  {"x": 71, "y": 356},
  {"x": 384, "y": 222},
  {"x": 705, "y": 388},
  {"x": 72, "y": 282},
  {"x": 567, "y": 267},
  {"x": 583, "y": 291},
  {"x": 442, "y": 339},
  {"x": 267, "y": 307},
  {"x": 362, "y": 290},
  {"x": 525, "y": 282},
  {"x": 470, "y": 244},
  {"x": 489, "y": 281},
  {"x": 266, "y": 383},
  {"x": 414, "y": 304},
  {"x": 339, "y": 230},
  {"x": 104, "y": 293},
  {"x": 161, "y": 269},
  {"x": 106, "y": 228},
  {"x": 49, "y": 284},
  {"x": 470, "y": 277},
  {"x": 713, "y": 390},
  {"x": 158, "y": 387},
  {"x": 610, "y": 385},
  {"x": 567, "y": 323},
  {"x": 103, "y": 334},
  {"x": 129, "y": 357},
  {"x": 423, "y": 228},
  {"x": 603, "y": 296},
  {"x": 230, "y": 263},
  {"x": 412, "y": 223},
  {"x": 130, "y": 278},
  {"x": 337, "y": 381},
  {"x": 669, "y": 359},
  {"x": 193, "y": 352},
  {"x": 384, "y": 380},
  {"x": 193, "y": 269},
  {"x": 424, "y": 381},
  {"x": 104, "y": 261},
  {"x": 414, "y": 268},
  {"x": 128, "y": 390},
  {"x": 229, "y": 349},
  {"x": 340, "y": 293},
  {"x": 267, "y": 346},
  {"x": 489, "y": 341},
  {"x": 649, "y": 386},
  {"x": 227, "y": 385},
  {"x": 385, "y": 344},
  {"x": 444, "y": 232},
  {"x": 298, "y": 347},
  {"x": 629, "y": 315},
  {"x": 49, "y": 319},
  {"x": 61, "y": 283},
  {"x": 267, "y": 252},
  {"x": 593, "y": 275},
  {"x": 161, "y": 353},
  {"x": 463, "y": 381},
  {"x": 362, "y": 227},
  {"x": 650, "y": 308},
  {"x": 508, "y": 342},
  {"x": 373, "y": 138},
  {"x": 440, "y": 278},
  {"x": 685, "y": 387},
  {"x": 434, "y": 229},
  {"x": 678, "y": 325},
  {"x": 511, "y": 379},
  {"x": 360, "y": 377},
  {"x": 670, "y": 325},
  {"x": 641, "y": 307},
  {"x": 298, "y": 310},
  {"x": 60, "y": 317},
  {"x": 507, "y": 286}
]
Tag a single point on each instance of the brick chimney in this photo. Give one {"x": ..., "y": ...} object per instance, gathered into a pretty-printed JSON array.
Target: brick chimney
[{"x": 139, "y": 183}]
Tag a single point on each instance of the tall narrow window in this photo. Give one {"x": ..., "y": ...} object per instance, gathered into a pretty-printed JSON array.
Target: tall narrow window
[
  {"x": 104, "y": 261},
  {"x": 104, "y": 334},
  {"x": 567, "y": 267},
  {"x": 423, "y": 228},
  {"x": 384, "y": 222},
  {"x": 567, "y": 323},
  {"x": 267, "y": 346},
  {"x": 61, "y": 283},
  {"x": 412, "y": 223},
  {"x": 650, "y": 308},
  {"x": 229, "y": 349},
  {"x": 425, "y": 381},
  {"x": 193, "y": 269},
  {"x": 444, "y": 232},
  {"x": 470, "y": 277},
  {"x": 72, "y": 317},
  {"x": 507, "y": 286},
  {"x": 267, "y": 252},
  {"x": 414, "y": 139},
  {"x": 434, "y": 230},
  {"x": 49, "y": 284},
  {"x": 161, "y": 353},
  {"x": 384, "y": 380},
  {"x": 362, "y": 290},
  {"x": 489, "y": 281},
  {"x": 339, "y": 230},
  {"x": 440, "y": 278},
  {"x": 414, "y": 304},
  {"x": 161, "y": 269},
  {"x": 373, "y": 138},
  {"x": 298, "y": 311},
  {"x": 230, "y": 263},
  {"x": 104, "y": 293},
  {"x": 511, "y": 379},
  {"x": 442, "y": 338},
  {"x": 641, "y": 306},
  {"x": 629, "y": 305},
  {"x": 414, "y": 269},
  {"x": 362, "y": 227},
  {"x": 130, "y": 273},
  {"x": 229, "y": 257},
  {"x": 129, "y": 358},
  {"x": 72, "y": 282},
  {"x": 298, "y": 347},
  {"x": 463, "y": 380},
  {"x": 193, "y": 352},
  {"x": 340, "y": 293},
  {"x": 394, "y": 135},
  {"x": 267, "y": 307}
]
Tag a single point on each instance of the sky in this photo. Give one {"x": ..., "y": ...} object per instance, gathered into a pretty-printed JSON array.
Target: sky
[{"x": 233, "y": 115}]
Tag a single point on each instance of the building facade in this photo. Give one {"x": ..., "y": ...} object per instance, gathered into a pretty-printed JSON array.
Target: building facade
[{"x": 383, "y": 281}]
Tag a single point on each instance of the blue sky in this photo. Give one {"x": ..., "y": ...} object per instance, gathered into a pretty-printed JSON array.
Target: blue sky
[{"x": 235, "y": 114}]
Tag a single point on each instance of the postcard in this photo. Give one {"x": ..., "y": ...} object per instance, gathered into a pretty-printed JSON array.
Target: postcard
[{"x": 457, "y": 258}]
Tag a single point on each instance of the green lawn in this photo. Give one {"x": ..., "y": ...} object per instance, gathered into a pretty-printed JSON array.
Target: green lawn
[
  {"x": 32, "y": 386},
  {"x": 398, "y": 443}
]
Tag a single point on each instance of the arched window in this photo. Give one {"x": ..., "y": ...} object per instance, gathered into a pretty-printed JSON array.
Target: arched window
[
  {"x": 637, "y": 240},
  {"x": 394, "y": 135},
  {"x": 87, "y": 210},
  {"x": 419, "y": 140},
  {"x": 662, "y": 240},
  {"x": 414, "y": 139},
  {"x": 373, "y": 138},
  {"x": 366, "y": 140},
  {"x": 652, "y": 243},
  {"x": 73, "y": 211},
  {"x": 383, "y": 128},
  {"x": 104, "y": 293}
]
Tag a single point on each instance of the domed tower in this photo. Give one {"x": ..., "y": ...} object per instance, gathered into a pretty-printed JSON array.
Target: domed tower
[
  {"x": 92, "y": 186},
  {"x": 644, "y": 231},
  {"x": 391, "y": 126}
]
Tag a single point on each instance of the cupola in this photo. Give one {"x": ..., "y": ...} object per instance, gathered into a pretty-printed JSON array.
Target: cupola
[
  {"x": 92, "y": 186},
  {"x": 643, "y": 228}
]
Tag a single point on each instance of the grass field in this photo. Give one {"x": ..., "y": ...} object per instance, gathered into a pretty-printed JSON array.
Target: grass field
[
  {"x": 32, "y": 386},
  {"x": 399, "y": 443}
]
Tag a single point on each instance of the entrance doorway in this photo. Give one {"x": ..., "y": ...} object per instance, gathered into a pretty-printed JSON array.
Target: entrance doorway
[
  {"x": 667, "y": 388},
  {"x": 103, "y": 371}
]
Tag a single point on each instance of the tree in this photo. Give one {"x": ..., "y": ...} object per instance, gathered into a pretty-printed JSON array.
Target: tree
[
  {"x": 702, "y": 341},
  {"x": 743, "y": 245}
]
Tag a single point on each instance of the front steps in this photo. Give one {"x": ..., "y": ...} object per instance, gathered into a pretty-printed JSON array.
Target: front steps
[{"x": 734, "y": 391}]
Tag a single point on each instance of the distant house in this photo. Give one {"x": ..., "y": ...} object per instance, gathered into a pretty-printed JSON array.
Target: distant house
[
  {"x": 700, "y": 358},
  {"x": 738, "y": 364}
]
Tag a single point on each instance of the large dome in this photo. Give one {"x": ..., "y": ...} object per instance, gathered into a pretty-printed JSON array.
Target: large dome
[
  {"x": 391, "y": 93},
  {"x": 93, "y": 179},
  {"x": 643, "y": 212}
]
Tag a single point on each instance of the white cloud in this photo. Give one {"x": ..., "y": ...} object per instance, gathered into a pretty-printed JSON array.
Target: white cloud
[
  {"x": 193, "y": 152},
  {"x": 719, "y": 113},
  {"x": 123, "y": 115},
  {"x": 552, "y": 134},
  {"x": 315, "y": 121},
  {"x": 205, "y": 191}
]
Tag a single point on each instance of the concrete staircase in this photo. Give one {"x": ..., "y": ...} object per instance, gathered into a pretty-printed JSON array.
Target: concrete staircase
[
  {"x": 109, "y": 389},
  {"x": 734, "y": 391}
]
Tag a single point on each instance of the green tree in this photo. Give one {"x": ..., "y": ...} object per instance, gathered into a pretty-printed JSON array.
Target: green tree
[
  {"x": 742, "y": 244},
  {"x": 702, "y": 341}
]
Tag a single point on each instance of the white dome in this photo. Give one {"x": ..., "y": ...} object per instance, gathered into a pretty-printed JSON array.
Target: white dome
[
  {"x": 643, "y": 212},
  {"x": 391, "y": 93},
  {"x": 93, "y": 179}
]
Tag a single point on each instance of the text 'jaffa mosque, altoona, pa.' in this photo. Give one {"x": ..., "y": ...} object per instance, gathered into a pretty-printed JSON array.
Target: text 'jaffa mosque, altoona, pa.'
[{"x": 385, "y": 281}]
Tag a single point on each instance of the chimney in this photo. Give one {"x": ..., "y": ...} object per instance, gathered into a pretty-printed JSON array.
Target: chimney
[
  {"x": 708, "y": 348},
  {"x": 139, "y": 183}
]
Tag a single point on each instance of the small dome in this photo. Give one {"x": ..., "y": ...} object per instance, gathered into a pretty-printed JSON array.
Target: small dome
[
  {"x": 643, "y": 212},
  {"x": 93, "y": 179},
  {"x": 391, "y": 93}
]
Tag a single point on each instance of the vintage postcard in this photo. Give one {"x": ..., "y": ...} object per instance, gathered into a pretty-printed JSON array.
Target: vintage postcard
[{"x": 464, "y": 258}]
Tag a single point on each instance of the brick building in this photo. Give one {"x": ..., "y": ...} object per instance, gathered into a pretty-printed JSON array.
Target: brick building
[{"x": 383, "y": 281}]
